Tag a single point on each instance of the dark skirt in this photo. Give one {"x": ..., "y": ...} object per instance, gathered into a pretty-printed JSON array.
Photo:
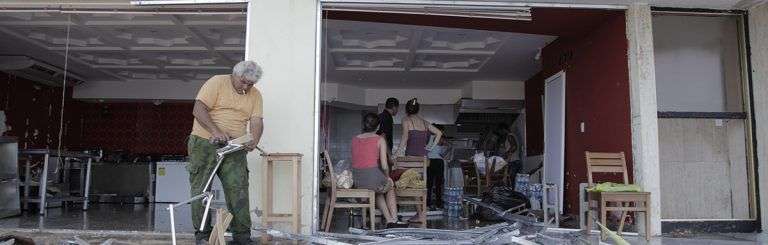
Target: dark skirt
[{"x": 371, "y": 179}]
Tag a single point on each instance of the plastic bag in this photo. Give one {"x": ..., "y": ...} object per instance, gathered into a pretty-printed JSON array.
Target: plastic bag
[
  {"x": 614, "y": 187},
  {"x": 481, "y": 162},
  {"x": 343, "y": 173}
]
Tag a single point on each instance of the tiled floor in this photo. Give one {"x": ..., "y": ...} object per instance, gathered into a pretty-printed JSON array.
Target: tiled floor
[
  {"x": 149, "y": 224},
  {"x": 126, "y": 217}
]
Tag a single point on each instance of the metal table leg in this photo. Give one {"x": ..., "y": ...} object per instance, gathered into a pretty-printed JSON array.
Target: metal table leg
[
  {"x": 27, "y": 183},
  {"x": 43, "y": 184},
  {"x": 86, "y": 191}
]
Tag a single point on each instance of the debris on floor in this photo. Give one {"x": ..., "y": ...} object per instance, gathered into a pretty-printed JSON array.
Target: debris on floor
[
  {"x": 516, "y": 229},
  {"x": 15, "y": 240}
]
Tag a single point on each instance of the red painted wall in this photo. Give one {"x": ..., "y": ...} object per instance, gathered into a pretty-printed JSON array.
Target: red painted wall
[
  {"x": 139, "y": 127},
  {"x": 597, "y": 93},
  {"x": 32, "y": 112}
]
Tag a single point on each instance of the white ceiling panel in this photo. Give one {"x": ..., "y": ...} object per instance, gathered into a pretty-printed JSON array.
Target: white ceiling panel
[
  {"x": 128, "y": 47},
  {"x": 381, "y": 55}
]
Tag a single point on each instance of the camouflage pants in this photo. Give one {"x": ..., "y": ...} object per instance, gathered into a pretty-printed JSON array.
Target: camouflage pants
[{"x": 233, "y": 174}]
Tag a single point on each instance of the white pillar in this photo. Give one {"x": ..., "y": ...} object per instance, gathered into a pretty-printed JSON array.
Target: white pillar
[
  {"x": 758, "y": 39},
  {"x": 642, "y": 95},
  {"x": 281, "y": 37}
]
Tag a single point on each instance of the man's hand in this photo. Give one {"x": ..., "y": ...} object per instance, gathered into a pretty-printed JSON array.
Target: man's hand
[
  {"x": 251, "y": 145},
  {"x": 218, "y": 137}
]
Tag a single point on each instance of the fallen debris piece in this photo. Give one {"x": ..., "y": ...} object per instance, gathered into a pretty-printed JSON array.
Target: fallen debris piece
[
  {"x": 223, "y": 218},
  {"x": 352, "y": 236},
  {"x": 615, "y": 237},
  {"x": 76, "y": 241},
  {"x": 297, "y": 237},
  {"x": 16, "y": 240}
]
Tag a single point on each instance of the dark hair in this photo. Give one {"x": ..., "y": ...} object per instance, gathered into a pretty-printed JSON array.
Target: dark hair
[
  {"x": 412, "y": 107},
  {"x": 370, "y": 122},
  {"x": 391, "y": 103}
]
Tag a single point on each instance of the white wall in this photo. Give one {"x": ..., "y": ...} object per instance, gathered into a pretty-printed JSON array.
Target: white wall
[
  {"x": 281, "y": 37},
  {"x": 168, "y": 90},
  {"x": 343, "y": 93},
  {"x": 466, "y": 91},
  {"x": 697, "y": 63},
  {"x": 703, "y": 169},
  {"x": 425, "y": 96},
  {"x": 758, "y": 38},
  {"x": 498, "y": 90}
]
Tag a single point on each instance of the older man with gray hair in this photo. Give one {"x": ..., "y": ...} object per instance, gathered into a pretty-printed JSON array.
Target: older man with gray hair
[{"x": 223, "y": 107}]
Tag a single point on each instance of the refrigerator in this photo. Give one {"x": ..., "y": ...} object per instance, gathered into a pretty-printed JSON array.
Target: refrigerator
[
  {"x": 10, "y": 205},
  {"x": 172, "y": 184}
]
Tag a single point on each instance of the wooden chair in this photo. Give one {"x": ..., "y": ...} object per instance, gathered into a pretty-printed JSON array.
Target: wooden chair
[
  {"x": 333, "y": 202},
  {"x": 486, "y": 180},
  {"x": 413, "y": 197},
  {"x": 601, "y": 162}
]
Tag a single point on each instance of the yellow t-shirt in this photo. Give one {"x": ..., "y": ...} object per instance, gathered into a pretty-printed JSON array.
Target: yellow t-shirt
[{"x": 229, "y": 110}]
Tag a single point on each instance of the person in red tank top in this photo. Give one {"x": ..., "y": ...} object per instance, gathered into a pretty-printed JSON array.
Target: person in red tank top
[{"x": 370, "y": 169}]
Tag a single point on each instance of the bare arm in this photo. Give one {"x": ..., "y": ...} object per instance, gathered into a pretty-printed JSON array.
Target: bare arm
[
  {"x": 383, "y": 155},
  {"x": 200, "y": 111},
  {"x": 404, "y": 135},
  {"x": 438, "y": 134},
  {"x": 256, "y": 128}
]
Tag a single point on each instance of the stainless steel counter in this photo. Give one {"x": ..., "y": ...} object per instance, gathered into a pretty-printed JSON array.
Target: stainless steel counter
[{"x": 9, "y": 177}]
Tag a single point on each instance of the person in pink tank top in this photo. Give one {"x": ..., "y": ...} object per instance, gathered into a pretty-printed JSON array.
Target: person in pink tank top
[{"x": 370, "y": 169}]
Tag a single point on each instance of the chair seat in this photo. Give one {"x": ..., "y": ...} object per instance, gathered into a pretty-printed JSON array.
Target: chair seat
[
  {"x": 620, "y": 196},
  {"x": 411, "y": 192},
  {"x": 358, "y": 193},
  {"x": 351, "y": 205}
]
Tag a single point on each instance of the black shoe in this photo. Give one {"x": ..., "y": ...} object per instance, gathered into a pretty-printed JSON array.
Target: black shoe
[
  {"x": 201, "y": 242},
  {"x": 397, "y": 225}
]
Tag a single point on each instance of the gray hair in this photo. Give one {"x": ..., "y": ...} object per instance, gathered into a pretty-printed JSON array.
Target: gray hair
[{"x": 248, "y": 70}]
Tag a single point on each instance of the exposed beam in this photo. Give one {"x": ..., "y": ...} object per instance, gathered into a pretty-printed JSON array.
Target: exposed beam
[
  {"x": 80, "y": 26},
  {"x": 87, "y": 49},
  {"x": 192, "y": 48},
  {"x": 455, "y": 52},
  {"x": 129, "y": 23},
  {"x": 175, "y": 19},
  {"x": 154, "y": 67},
  {"x": 88, "y": 23},
  {"x": 445, "y": 69},
  {"x": 214, "y": 23},
  {"x": 363, "y": 50},
  {"x": 125, "y": 67},
  {"x": 147, "y": 49},
  {"x": 412, "y": 48},
  {"x": 35, "y": 23},
  {"x": 370, "y": 69}
]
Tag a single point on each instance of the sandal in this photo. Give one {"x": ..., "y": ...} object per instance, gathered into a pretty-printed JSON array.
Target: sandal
[{"x": 414, "y": 219}]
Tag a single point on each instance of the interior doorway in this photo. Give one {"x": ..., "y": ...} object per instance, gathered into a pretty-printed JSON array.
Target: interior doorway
[{"x": 554, "y": 135}]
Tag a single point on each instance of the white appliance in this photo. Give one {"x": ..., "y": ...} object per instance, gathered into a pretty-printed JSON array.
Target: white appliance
[{"x": 172, "y": 184}]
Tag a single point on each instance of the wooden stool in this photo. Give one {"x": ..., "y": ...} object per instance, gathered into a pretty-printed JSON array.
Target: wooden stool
[{"x": 294, "y": 159}]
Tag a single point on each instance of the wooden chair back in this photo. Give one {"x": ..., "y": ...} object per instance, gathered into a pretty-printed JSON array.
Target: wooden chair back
[
  {"x": 329, "y": 166},
  {"x": 410, "y": 162},
  {"x": 606, "y": 162}
]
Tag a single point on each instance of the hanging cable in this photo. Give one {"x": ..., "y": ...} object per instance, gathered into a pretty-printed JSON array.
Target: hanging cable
[{"x": 64, "y": 83}]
